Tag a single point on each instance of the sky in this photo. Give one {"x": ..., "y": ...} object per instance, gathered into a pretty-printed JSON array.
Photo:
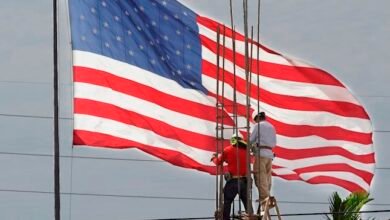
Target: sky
[{"x": 346, "y": 38}]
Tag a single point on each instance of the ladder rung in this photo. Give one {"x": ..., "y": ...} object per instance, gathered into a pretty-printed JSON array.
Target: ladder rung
[
  {"x": 270, "y": 203},
  {"x": 238, "y": 116},
  {"x": 229, "y": 116},
  {"x": 229, "y": 128},
  {"x": 223, "y": 117},
  {"x": 229, "y": 105}
]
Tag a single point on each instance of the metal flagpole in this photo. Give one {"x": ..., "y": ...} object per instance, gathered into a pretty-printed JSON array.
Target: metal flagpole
[{"x": 56, "y": 119}]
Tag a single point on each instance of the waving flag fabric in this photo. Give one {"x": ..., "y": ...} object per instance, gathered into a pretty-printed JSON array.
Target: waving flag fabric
[{"x": 145, "y": 77}]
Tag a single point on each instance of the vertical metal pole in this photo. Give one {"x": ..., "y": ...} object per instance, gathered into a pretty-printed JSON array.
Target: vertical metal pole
[
  {"x": 235, "y": 117},
  {"x": 248, "y": 108},
  {"x": 231, "y": 15},
  {"x": 222, "y": 121},
  {"x": 258, "y": 83},
  {"x": 258, "y": 56},
  {"x": 248, "y": 176},
  {"x": 218, "y": 126},
  {"x": 56, "y": 119},
  {"x": 235, "y": 129}
]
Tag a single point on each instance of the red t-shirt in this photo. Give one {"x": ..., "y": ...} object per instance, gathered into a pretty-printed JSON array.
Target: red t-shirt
[{"x": 236, "y": 164}]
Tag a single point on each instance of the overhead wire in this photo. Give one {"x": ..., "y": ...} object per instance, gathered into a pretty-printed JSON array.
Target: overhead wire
[
  {"x": 108, "y": 195},
  {"x": 81, "y": 157},
  {"x": 32, "y": 116},
  {"x": 290, "y": 214},
  {"x": 70, "y": 118},
  {"x": 106, "y": 158},
  {"x": 161, "y": 197},
  {"x": 148, "y": 160},
  {"x": 194, "y": 218},
  {"x": 32, "y": 83}
]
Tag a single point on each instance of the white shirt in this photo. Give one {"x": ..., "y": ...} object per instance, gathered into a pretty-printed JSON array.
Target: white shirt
[{"x": 267, "y": 137}]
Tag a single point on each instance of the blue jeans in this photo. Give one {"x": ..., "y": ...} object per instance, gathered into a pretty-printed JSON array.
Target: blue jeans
[{"x": 231, "y": 189}]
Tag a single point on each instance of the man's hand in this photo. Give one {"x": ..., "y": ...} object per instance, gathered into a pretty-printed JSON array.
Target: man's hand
[
  {"x": 213, "y": 157},
  {"x": 254, "y": 148}
]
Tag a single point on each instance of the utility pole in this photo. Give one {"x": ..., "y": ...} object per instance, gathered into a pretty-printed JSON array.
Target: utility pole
[{"x": 56, "y": 119}]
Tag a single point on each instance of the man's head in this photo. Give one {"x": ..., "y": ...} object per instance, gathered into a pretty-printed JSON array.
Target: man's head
[
  {"x": 236, "y": 140},
  {"x": 259, "y": 117}
]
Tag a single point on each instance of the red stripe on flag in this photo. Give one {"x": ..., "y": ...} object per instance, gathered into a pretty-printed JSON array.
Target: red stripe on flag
[
  {"x": 352, "y": 187},
  {"x": 104, "y": 110},
  {"x": 348, "y": 185},
  {"x": 342, "y": 167}
]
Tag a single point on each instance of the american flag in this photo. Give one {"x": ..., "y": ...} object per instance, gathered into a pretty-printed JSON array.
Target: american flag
[{"x": 145, "y": 78}]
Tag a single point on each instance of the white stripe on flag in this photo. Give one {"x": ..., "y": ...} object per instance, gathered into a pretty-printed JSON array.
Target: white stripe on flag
[
  {"x": 322, "y": 160},
  {"x": 312, "y": 141},
  {"x": 283, "y": 171}
]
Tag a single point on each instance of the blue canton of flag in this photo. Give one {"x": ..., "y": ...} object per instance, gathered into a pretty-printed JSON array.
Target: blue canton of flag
[{"x": 157, "y": 35}]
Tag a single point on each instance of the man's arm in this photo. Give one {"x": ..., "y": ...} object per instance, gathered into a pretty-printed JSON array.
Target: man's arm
[
  {"x": 217, "y": 161},
  {"x": 253, "y": 138}
]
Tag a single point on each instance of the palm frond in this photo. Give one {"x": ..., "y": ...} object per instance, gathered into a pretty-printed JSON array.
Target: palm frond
[{"x": 347, "y": 209}]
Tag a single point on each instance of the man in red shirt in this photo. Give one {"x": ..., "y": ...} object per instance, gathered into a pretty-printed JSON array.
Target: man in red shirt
[{"x": 235, "y": 157}]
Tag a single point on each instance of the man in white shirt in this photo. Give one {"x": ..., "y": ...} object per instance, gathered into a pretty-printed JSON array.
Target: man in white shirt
[{"x": 263, "y": 138}]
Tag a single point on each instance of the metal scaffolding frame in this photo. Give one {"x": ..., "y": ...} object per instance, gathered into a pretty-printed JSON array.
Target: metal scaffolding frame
[{"x": 220, "y": 105}]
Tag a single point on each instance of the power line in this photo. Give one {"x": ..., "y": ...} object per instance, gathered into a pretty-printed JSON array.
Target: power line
[
  {"x": 374, "y": 96},
  {"x": 71, "y": 83},
  {"x": 382, "y": 168},
  {"x": 33, "y": 116},
  {"x": 108, "y": 195},
  {"x": 330, "y": 213},
  {"x": 82, "y": 157},
  {"x": 158, "y": 197},
  {"x": 291, "y": 214},
  {"x": 191, "y": 199},
  {"x": 32, "y": 83},
  {"x": 195, "y": 218},
  {"x": 107, "y": 158},
  {"x": 381, "y": 131},
  {"x": 70, "y": 118}
]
